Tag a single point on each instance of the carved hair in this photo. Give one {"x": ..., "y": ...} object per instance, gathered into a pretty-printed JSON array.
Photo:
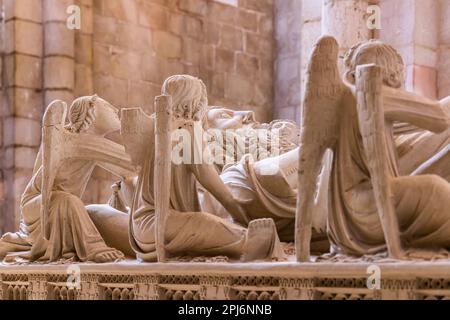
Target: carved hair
[
  {"x": 81, "y": 114},
  {"x": 385, "y": 56},
  {"x": 189, "y": 97}
]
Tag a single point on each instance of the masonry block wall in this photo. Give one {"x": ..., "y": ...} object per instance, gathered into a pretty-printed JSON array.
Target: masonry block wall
[
  {"x": 418, "y": 29},
  {"x": 415, "y": 34},
  {"x": 297, "y": 26},
  {"x": 22, "y": 100},
  {"x": 123, "y": 52},
  {"x": 137, "y": 44},
  {"x": 2, "y": 184}
]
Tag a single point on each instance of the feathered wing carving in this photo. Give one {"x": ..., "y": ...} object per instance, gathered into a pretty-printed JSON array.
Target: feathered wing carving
[
  {"x": 137, "y": 130},
  {"x": 380, "y": 149},
  {"x": 324, "y": 90},
  {"x": 52, "y": 151},
  {"x": 138, "y": 134},
  {"x": 163, "y": 107}
]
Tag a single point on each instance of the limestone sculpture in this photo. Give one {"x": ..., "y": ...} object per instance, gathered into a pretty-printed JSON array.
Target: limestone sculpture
[
  {"x": 186, "y": 229},
  {"x": 54, "y": 222},
  {"x": 272, "y": 195},
  {"x": 258, "y": 195},
  {"x": 236, "y": 208},
  {"x": 386, "y": 151},
  {"x": 372, "y": 207}
]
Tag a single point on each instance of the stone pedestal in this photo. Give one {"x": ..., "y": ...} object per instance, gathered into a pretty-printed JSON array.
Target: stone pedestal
[{"x": 233, "y": 281}]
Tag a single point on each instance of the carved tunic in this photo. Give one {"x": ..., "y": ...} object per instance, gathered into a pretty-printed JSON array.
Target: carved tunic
[
  {"x": 73, "y": 234},
  {"x": 422, "y": 202},
  {"x": 188, "y": 230}
]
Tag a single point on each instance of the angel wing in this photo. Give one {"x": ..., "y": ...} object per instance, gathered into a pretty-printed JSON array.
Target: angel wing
[
  {"x": 137, "y": 130},
  {"x": 141, "y": 134},
  {"x": 52, "y": 144},
  {"x": 319, "y": 115},
  {"x": 379, "y": 147},
  {"x": 138, "y": 134},
  {"x": 163, "y": 107}
]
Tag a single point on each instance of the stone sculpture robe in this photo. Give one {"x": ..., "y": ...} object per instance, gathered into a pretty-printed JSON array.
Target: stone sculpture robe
[
  {"x": 188, "y": 230},
  {"x": 73, "y": 234},
  {"x": 422, "y": 202}
]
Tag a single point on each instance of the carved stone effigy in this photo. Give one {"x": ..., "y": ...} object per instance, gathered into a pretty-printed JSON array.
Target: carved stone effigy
[{"x": 195, "y": 222}]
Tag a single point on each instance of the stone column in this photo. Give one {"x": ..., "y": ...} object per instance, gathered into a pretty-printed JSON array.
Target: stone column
[
  {"x": 98, "y": 188},
  {"x": 84, "y": 50},
  {"x": 2, "y": 195},
  {"x": 288, "y": 29},
  {"x": 297, "y": 26},
  {"x": 412, "y": 27},
  {"x": 59, "y": 52},
  {"x": 22, "y": 101},
  {"x": 346, "y": 20}
]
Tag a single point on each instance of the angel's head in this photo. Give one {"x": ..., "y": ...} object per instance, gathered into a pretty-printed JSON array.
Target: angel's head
[
  {"x": 93, "y": 114},
  {"x": 376, "y": 52},
  {"x": 189, "y": 97}
]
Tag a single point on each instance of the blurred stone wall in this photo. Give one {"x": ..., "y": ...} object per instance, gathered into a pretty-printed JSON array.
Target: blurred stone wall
[
  {"x": 413, "y": 28},
  {"x": 2, "y": 183},
  {"x": 138, "y": 44},
  {"x": 443, "y": 49},
  {"x": 418, "y": 29},
  {"x": 297, "y": 26},
  {"x": 22, "y": 100}
]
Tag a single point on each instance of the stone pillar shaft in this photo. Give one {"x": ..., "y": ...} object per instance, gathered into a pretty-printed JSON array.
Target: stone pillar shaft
[
  {"x": 412, "y": 28},
  {"x": 59, "y": 52},
  {"x": 21, "y": 101},
  {"x": 84, "y": 50},
  {"x": 443, "y": 66},
  {"x": 346, "y": 20},
  {"x": 2, "y": 185}
]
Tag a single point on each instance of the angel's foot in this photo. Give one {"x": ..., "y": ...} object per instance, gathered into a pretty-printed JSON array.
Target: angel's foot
[
  {"x": 110, "y": 255},
  {"x": 262, "y": 240}
]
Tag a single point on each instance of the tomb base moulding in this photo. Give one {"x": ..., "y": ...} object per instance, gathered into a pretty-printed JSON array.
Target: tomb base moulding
[{"x": 225, "y": 281}]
